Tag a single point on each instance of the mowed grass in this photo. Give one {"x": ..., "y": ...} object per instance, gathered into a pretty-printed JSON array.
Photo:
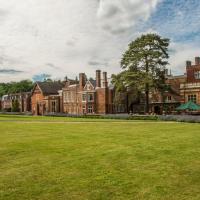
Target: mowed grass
[{"x": 108, "y": 160}]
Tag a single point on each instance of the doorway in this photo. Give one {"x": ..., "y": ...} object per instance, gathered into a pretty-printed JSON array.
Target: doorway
[{"x": 157, "y": 110}]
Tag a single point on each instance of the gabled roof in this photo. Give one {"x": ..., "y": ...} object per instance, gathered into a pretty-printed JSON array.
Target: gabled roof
[
  {"x": 50, "y": 88},
  {"x": 93, "y": 82}
]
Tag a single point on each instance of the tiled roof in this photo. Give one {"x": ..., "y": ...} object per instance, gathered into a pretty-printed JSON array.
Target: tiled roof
[
  {"x": 93, "y": 82},
  {"x": 49, "y": 88}
]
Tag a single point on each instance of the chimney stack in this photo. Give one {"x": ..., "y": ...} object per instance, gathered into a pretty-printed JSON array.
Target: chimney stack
[
  {"x": 67, "y": 83},
  {"x": 188, "y": 63},
  {"x": 105, "y": 80},
  {"x": 197, "y": 60},
  {"x": 98, "y": 78},
  {"x": 82, "y": 80}
]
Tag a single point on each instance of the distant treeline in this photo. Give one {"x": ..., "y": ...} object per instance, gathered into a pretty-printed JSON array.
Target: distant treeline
[{"x": 16, "y": 87}]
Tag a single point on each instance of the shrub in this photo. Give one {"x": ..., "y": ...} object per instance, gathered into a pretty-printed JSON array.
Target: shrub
[
  {"x": 181, "y": 118},
  {"x": 15, "y": 106}
]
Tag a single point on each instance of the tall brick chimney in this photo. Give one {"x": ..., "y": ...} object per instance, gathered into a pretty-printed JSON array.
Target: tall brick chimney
[
  {"x": 197, "y": 60},
  {"x": 98, "y": 78},
  {"x": 67, "y": 83},
  {"x": 105, "y": 80},
  {"x": 82, "y": 80},
  {"x": 188, "y": 63}
]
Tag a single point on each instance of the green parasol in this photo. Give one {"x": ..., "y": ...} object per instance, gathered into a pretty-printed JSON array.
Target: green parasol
[{"x": 189, "y": 106}]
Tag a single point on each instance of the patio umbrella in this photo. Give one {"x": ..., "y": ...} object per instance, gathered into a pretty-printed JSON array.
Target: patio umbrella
[{"x": 189, "y": 106}]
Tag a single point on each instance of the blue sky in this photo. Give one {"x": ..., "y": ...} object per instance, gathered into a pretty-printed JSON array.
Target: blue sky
[
  {"x": 177, "y": 19},
  {"x": 64, "y": 38}
]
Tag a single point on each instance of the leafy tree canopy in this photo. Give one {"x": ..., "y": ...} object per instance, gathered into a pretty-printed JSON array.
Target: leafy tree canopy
[
  {"x": 147, "y": 57},
  {"x": 143, "y": 64},
  {"x": 16, "y": 87}
]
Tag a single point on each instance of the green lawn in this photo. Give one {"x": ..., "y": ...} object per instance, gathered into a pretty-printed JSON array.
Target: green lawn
[{"x": 58, "y": 159}]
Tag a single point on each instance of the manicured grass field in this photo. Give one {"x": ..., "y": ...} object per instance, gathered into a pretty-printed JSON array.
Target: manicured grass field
[{"x": 61, "y": 159}]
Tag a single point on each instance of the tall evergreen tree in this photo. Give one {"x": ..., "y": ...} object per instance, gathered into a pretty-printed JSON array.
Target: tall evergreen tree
[{"x": 144, "y": 63}]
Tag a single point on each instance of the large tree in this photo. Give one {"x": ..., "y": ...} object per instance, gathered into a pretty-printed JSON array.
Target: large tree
[
  {"x": 15, "y": 87},
  {"x": 144, "y": 63}
]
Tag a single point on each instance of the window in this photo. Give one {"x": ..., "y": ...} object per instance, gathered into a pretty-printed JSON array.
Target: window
[
  {"x": 197, "y": 75},
  {"x": 53, "y": 104},
  {"x": 168, "y": 98},
  {"x": 64, "y": 97},
  {"x": 84, "y": 109},
  {"x": 68, "y": 97},
  {"x": 90, "y": 109},
  {"x": 84, "y": 97},
  {"x": 192, "y": 98},
  {"x": 90, "y": 97},
  {"x": 73, "y": 97}
]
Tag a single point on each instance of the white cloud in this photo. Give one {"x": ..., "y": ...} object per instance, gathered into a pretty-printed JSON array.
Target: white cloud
[
  {"x": 61, "y": 38},
  {"x": 180, "y": 53},
  {"x": 117, "y": 16}
]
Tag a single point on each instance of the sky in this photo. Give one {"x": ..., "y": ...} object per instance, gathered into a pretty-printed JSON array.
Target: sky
[{"x": 58, "y": 38}]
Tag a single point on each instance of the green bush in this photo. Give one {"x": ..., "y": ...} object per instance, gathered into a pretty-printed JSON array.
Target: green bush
[
  {"x": 138, "y": 117},
  {"x": 15, "y": 106}
]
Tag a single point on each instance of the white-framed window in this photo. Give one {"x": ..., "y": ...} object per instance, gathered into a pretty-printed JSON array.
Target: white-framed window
[
  {"x": 197, "y": 75},
  {"x": 192, "y": 98},
  {"x": 169, "y": 98},
  {"x": 90, "y": 109},
  {"x": 90, "y": 97},
  {"x": 68, "y": 96},
  {"x": 65, "y": 97},
  {"x": 84, "y": 109},
  {"x": 84, "y": 97},
  {"x": 71, "y": 96}
]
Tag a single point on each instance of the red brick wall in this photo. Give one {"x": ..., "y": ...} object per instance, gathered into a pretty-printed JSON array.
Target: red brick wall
[
  {"x": 190, "y": 73},
  {"x": 36, "y": 97},
  {"x": 101, "y": 100},
  {"x": 72, "y": 107}
]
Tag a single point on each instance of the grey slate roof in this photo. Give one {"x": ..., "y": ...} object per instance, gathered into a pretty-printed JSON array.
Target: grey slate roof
[
  {"x": 50, "y": 88},
  {"x": 93, "y": 82}
]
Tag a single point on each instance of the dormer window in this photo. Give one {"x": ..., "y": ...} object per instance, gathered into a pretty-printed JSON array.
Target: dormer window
[
  {"x": 84, "y": 97},
  {"x": 197, "y": 75},
  {"x": 168, "y": 98}
]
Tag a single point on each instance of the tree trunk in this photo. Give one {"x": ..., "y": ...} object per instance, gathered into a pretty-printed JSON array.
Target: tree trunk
[
  {"x": 147, "y": 98},
  {"x": 127, "y": 103},
  {"x": 163, "y": 101},
  {"x": 147, "y": 90}
]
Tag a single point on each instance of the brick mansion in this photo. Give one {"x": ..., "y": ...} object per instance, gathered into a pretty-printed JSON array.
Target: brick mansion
[
  {"x": 97, "y": 96},
  {"x": 73, "y": 97}
]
